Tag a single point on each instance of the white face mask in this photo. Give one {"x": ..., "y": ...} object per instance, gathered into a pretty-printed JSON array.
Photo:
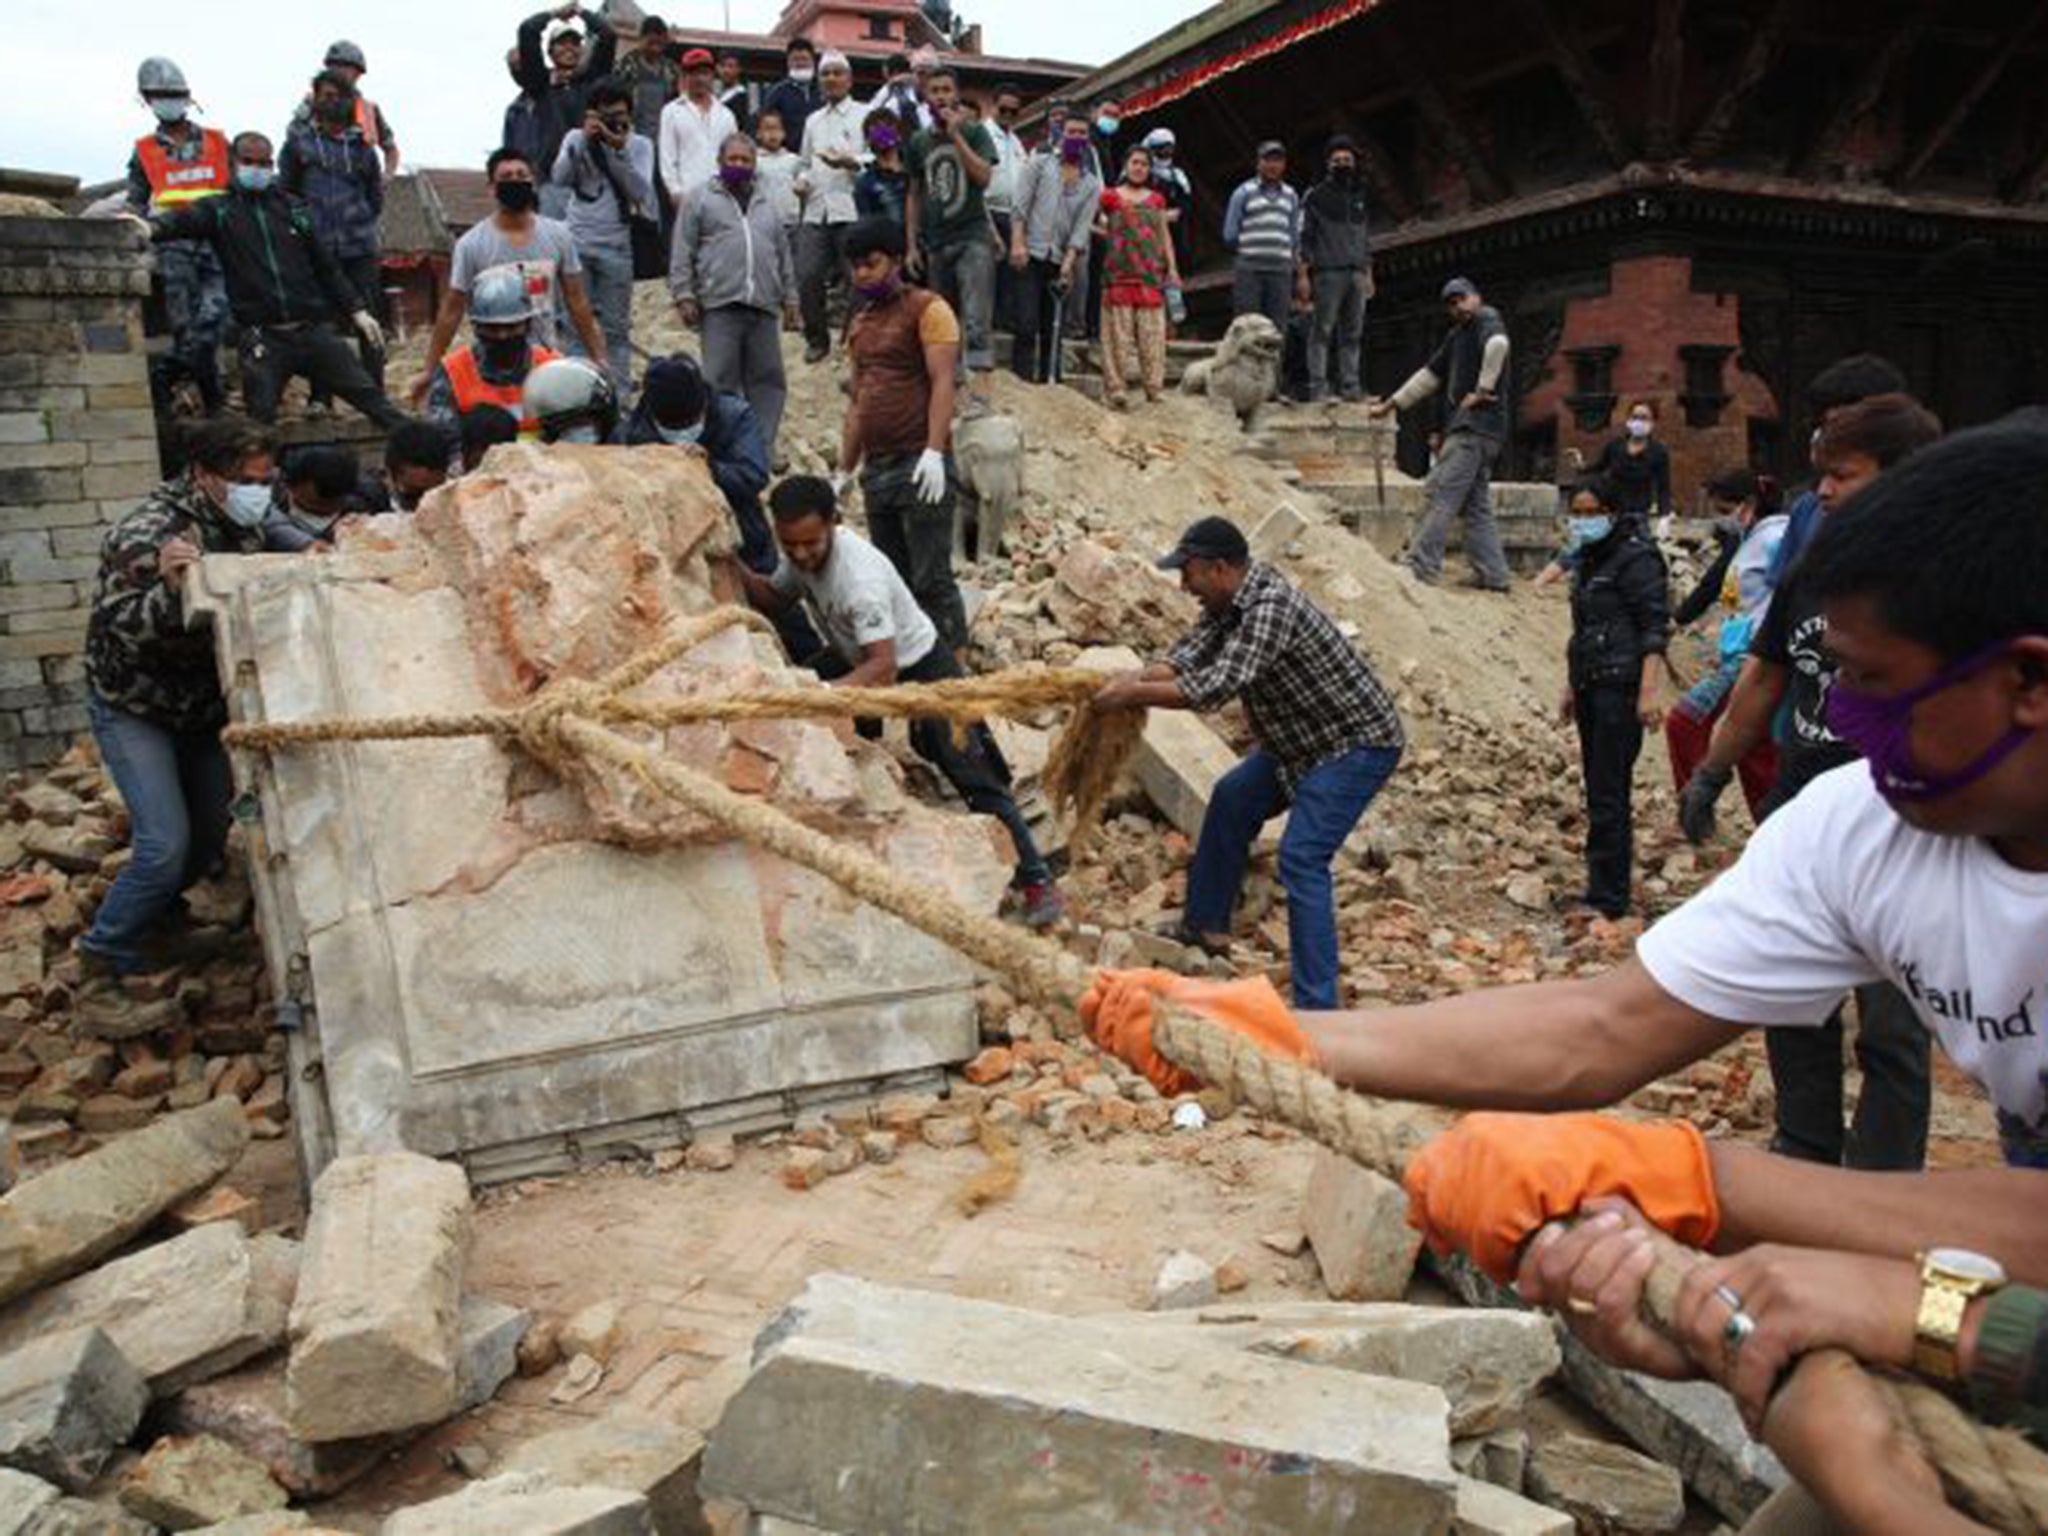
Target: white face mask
[
  {"x": 680, "y": 436},
  {"x": 585, "y": 433},
  {"x": 170, "y": 109},
  {"x": 803, "y": 76},
  {"x": 1640, "y": 427},
  {"x": 247, "y": 505}
]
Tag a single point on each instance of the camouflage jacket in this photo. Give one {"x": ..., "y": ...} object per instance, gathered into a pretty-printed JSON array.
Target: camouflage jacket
[{"x": 139, "y": 656}]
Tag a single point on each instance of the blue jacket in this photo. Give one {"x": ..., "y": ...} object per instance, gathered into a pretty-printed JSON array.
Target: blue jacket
[
  {"x": 341, "y": 182},
  {"x": 1802, "y": 522},
  {"x": 738, "y": 459}
]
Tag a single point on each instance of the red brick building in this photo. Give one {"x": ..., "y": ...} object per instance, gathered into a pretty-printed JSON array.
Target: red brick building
[{"x": 1700, "y": 202}]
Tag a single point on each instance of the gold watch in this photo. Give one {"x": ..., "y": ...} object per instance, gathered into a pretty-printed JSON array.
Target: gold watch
[{"x": 1950, "y": 1279}]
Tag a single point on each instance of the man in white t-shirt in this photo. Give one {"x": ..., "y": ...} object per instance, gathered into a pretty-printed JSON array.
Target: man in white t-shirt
[
  {"x": 876, "y": 635},
  {"x": 1926, "y": 865}
]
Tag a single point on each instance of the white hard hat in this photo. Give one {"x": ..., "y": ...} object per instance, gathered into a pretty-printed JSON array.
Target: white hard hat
[
  {"x": 569, "y": 391},
  {"x": 498, "y": 297},
  {"x": 160, "y": 77},
  {"x": 1160, "y": 138}
]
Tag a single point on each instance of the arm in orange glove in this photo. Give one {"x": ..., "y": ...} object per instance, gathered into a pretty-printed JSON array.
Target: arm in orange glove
[
  {"x": 1118, "y": 1011},
  {"x": 1487, "y": 1184}
]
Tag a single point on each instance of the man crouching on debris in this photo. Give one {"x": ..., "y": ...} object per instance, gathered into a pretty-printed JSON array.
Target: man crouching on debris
[
  {"x": 877, "y": 635},
  {"x": 1328, "y": 739},
  {"x": 1926, "y": 866}
]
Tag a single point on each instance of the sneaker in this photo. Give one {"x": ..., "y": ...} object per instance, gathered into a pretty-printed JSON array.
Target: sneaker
[
  {"x": 816, "y": 354},
  {"x": 1481, "y": 584},
  {"x": 1040, "y": 904},
  {"x": 1420, "y": 578}
]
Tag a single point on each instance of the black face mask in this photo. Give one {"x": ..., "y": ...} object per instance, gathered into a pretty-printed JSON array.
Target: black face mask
[
  {"x": 337, "y": 111},
  {"x": 516, "y": 196},
  {"x": 502, "y": 354}
]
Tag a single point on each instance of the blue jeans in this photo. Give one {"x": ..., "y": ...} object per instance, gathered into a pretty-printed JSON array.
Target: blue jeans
[
  {"x": 179, "y": 789},
  {"x": 609, "y": 277},
  {"x": 1328, "y": 801}
]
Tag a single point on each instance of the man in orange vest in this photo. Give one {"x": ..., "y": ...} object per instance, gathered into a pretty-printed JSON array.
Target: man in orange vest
[
  {"x": 345, "y": 59},
  {"x": 492, "y": 370},
  {"x": 176, "y": 165}
]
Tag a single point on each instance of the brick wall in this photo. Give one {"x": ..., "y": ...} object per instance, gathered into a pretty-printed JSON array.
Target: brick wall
[{"x": 78, "y": 448}]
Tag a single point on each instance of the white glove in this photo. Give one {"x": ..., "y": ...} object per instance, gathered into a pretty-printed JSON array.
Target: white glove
[
  {"x": 930, "y": 477},
  {"x": 367, "y": 327}
]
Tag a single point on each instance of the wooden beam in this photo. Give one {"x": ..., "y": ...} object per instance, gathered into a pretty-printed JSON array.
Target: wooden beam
[
  {"x": 1979, "y": 87},
  {"x": 1667, "y": 80},
  {"x": 1488, "y": 184},
  {"x": 2027, "y": 186},
  {"x": 1582, "y": 77},
  {"x": 1868, "y": 91},
  {"x": 1719, "y": 123},
  {"x": 1381, "y": 174}
]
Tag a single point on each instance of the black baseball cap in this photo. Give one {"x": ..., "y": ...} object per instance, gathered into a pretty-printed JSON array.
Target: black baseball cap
[
  {"x": 1272, "y": 149},
  {"x": 1213, "y": 538},
  {"x": 1460, "y": 288}
]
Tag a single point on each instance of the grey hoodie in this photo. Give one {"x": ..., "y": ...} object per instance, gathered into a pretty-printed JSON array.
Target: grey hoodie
[{"x": 725, "y": 254}]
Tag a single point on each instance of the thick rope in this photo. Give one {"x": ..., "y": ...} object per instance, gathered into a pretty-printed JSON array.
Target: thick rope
[{"x": 1993, "y": 1475}]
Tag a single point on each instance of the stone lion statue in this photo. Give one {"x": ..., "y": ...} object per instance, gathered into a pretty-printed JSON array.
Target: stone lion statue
[
  {"x": 1242, "y": 374},
  {"x": 988, "y": 459}
]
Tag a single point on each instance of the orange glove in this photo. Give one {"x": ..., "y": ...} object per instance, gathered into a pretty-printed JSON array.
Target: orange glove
[
  {"x": 1118, "y": 1013},
  {"x": 1492, "y": 1180}
]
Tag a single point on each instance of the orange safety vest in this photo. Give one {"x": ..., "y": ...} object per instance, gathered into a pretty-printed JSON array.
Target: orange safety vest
[
  {"x": 176, "y": 182},
  {"x": 472, "y": 389},
  {"x": 366, "y": 119}
]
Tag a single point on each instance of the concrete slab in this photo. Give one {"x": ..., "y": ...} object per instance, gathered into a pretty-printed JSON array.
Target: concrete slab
[
  {"x": 626, "y": 1450},
  {"x": 66, "y": 1402},
  {"x": 58, "y": 1224},
  {"x": 405, "y": 883},
  {"x": 376, "y": 1324},
  {"x": 526, "y": 1504},
  {"x": 872, "y": 1408},
  {"x": 181, "y": 1311}
]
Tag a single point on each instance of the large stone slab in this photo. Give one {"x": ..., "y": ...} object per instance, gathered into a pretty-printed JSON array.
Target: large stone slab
[
  {"x": 526, "y": 1504},
  {"x": 376, "y": 1326},
  {"x": 1691, "y": 1426},
  {"x": 55, "y": 1225},
  {"x": 1609, "y": 1489},
  {"x": 657, "y": 1460},
  {"x": 1487, "y": 1362},
  {"x": 523, "y": 971},
  {"x": 246, "y": 1408},
  {"x": 23, "y": 1497},
  {"x": 66, "y": 1401},
  {"x": 872, "y": 1408},
  {"x": 1357, "y": 1223},
  {"x": 181, "y": 1310}
]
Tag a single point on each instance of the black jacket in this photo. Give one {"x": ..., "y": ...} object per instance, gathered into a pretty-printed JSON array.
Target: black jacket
[
  {"x": 277, "y": 272},
  {"x": 1621, "y": 610},
  {"x": 1334, "y": 230},
  {"x": 738, "y": 460},
  {"x": 558, "y": 108}
]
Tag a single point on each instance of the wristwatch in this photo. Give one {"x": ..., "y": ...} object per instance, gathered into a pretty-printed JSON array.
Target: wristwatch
[{"x": 1950, "y": 1279}]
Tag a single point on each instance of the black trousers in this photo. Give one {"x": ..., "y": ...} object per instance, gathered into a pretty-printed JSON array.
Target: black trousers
[
  {"x": 365, "y": 274},
  {"x": 1610, "y": 740},
  {"x": 1039, "y": 318},
  {"x": 1890, "y": 1129},
  {"x": 274, "y": 355},
  {"x": 972, "y": 763}
]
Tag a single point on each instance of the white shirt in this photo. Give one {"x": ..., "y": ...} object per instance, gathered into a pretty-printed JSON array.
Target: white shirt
[
  {"x": 1835, "y": 891},
  {"x": 1001, "y": 191},
  {"x": 860, "y": 599},
  {"x": 775, "y": 174},
  {"x": 833, "y": 127},
  {"x": 689, "y": 144}
]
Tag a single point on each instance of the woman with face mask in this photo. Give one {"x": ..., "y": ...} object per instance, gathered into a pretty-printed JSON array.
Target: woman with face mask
[
  {"x": 1621, "y": 624},
  {"x": 156, "y": 711},
  {"x": 1138, "y": 268},
  {"x": 1637, "y": 465}
]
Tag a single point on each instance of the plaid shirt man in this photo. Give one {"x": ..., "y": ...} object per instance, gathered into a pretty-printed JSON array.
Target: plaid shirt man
[{"x": 1309, "y": 694}]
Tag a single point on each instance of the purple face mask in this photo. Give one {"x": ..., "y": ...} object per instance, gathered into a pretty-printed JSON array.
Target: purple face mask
[
  {"x": 884, "y": 139},
  {"x": 1881, "y": 731},
  {"x": 737, "y": 177}
]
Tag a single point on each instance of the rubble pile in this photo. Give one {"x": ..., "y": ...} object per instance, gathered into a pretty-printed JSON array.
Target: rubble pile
[{"x": 208, "y": 1030}]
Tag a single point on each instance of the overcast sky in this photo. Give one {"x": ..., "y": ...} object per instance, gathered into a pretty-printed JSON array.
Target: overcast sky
[{"x": 67, "y": 89}]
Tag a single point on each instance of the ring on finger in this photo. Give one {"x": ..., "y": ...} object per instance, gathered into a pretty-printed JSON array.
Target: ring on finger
[
  {"x": 1580, "y": 1307},
  {"x": 1736, "y": 1332},
  {"x": 1726, "y": 1295}
]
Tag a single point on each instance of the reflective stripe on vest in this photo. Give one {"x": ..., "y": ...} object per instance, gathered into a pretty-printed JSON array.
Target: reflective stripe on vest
[
  {"x": 172, "y": 182},
  {"x": 472, "y": 389}
]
